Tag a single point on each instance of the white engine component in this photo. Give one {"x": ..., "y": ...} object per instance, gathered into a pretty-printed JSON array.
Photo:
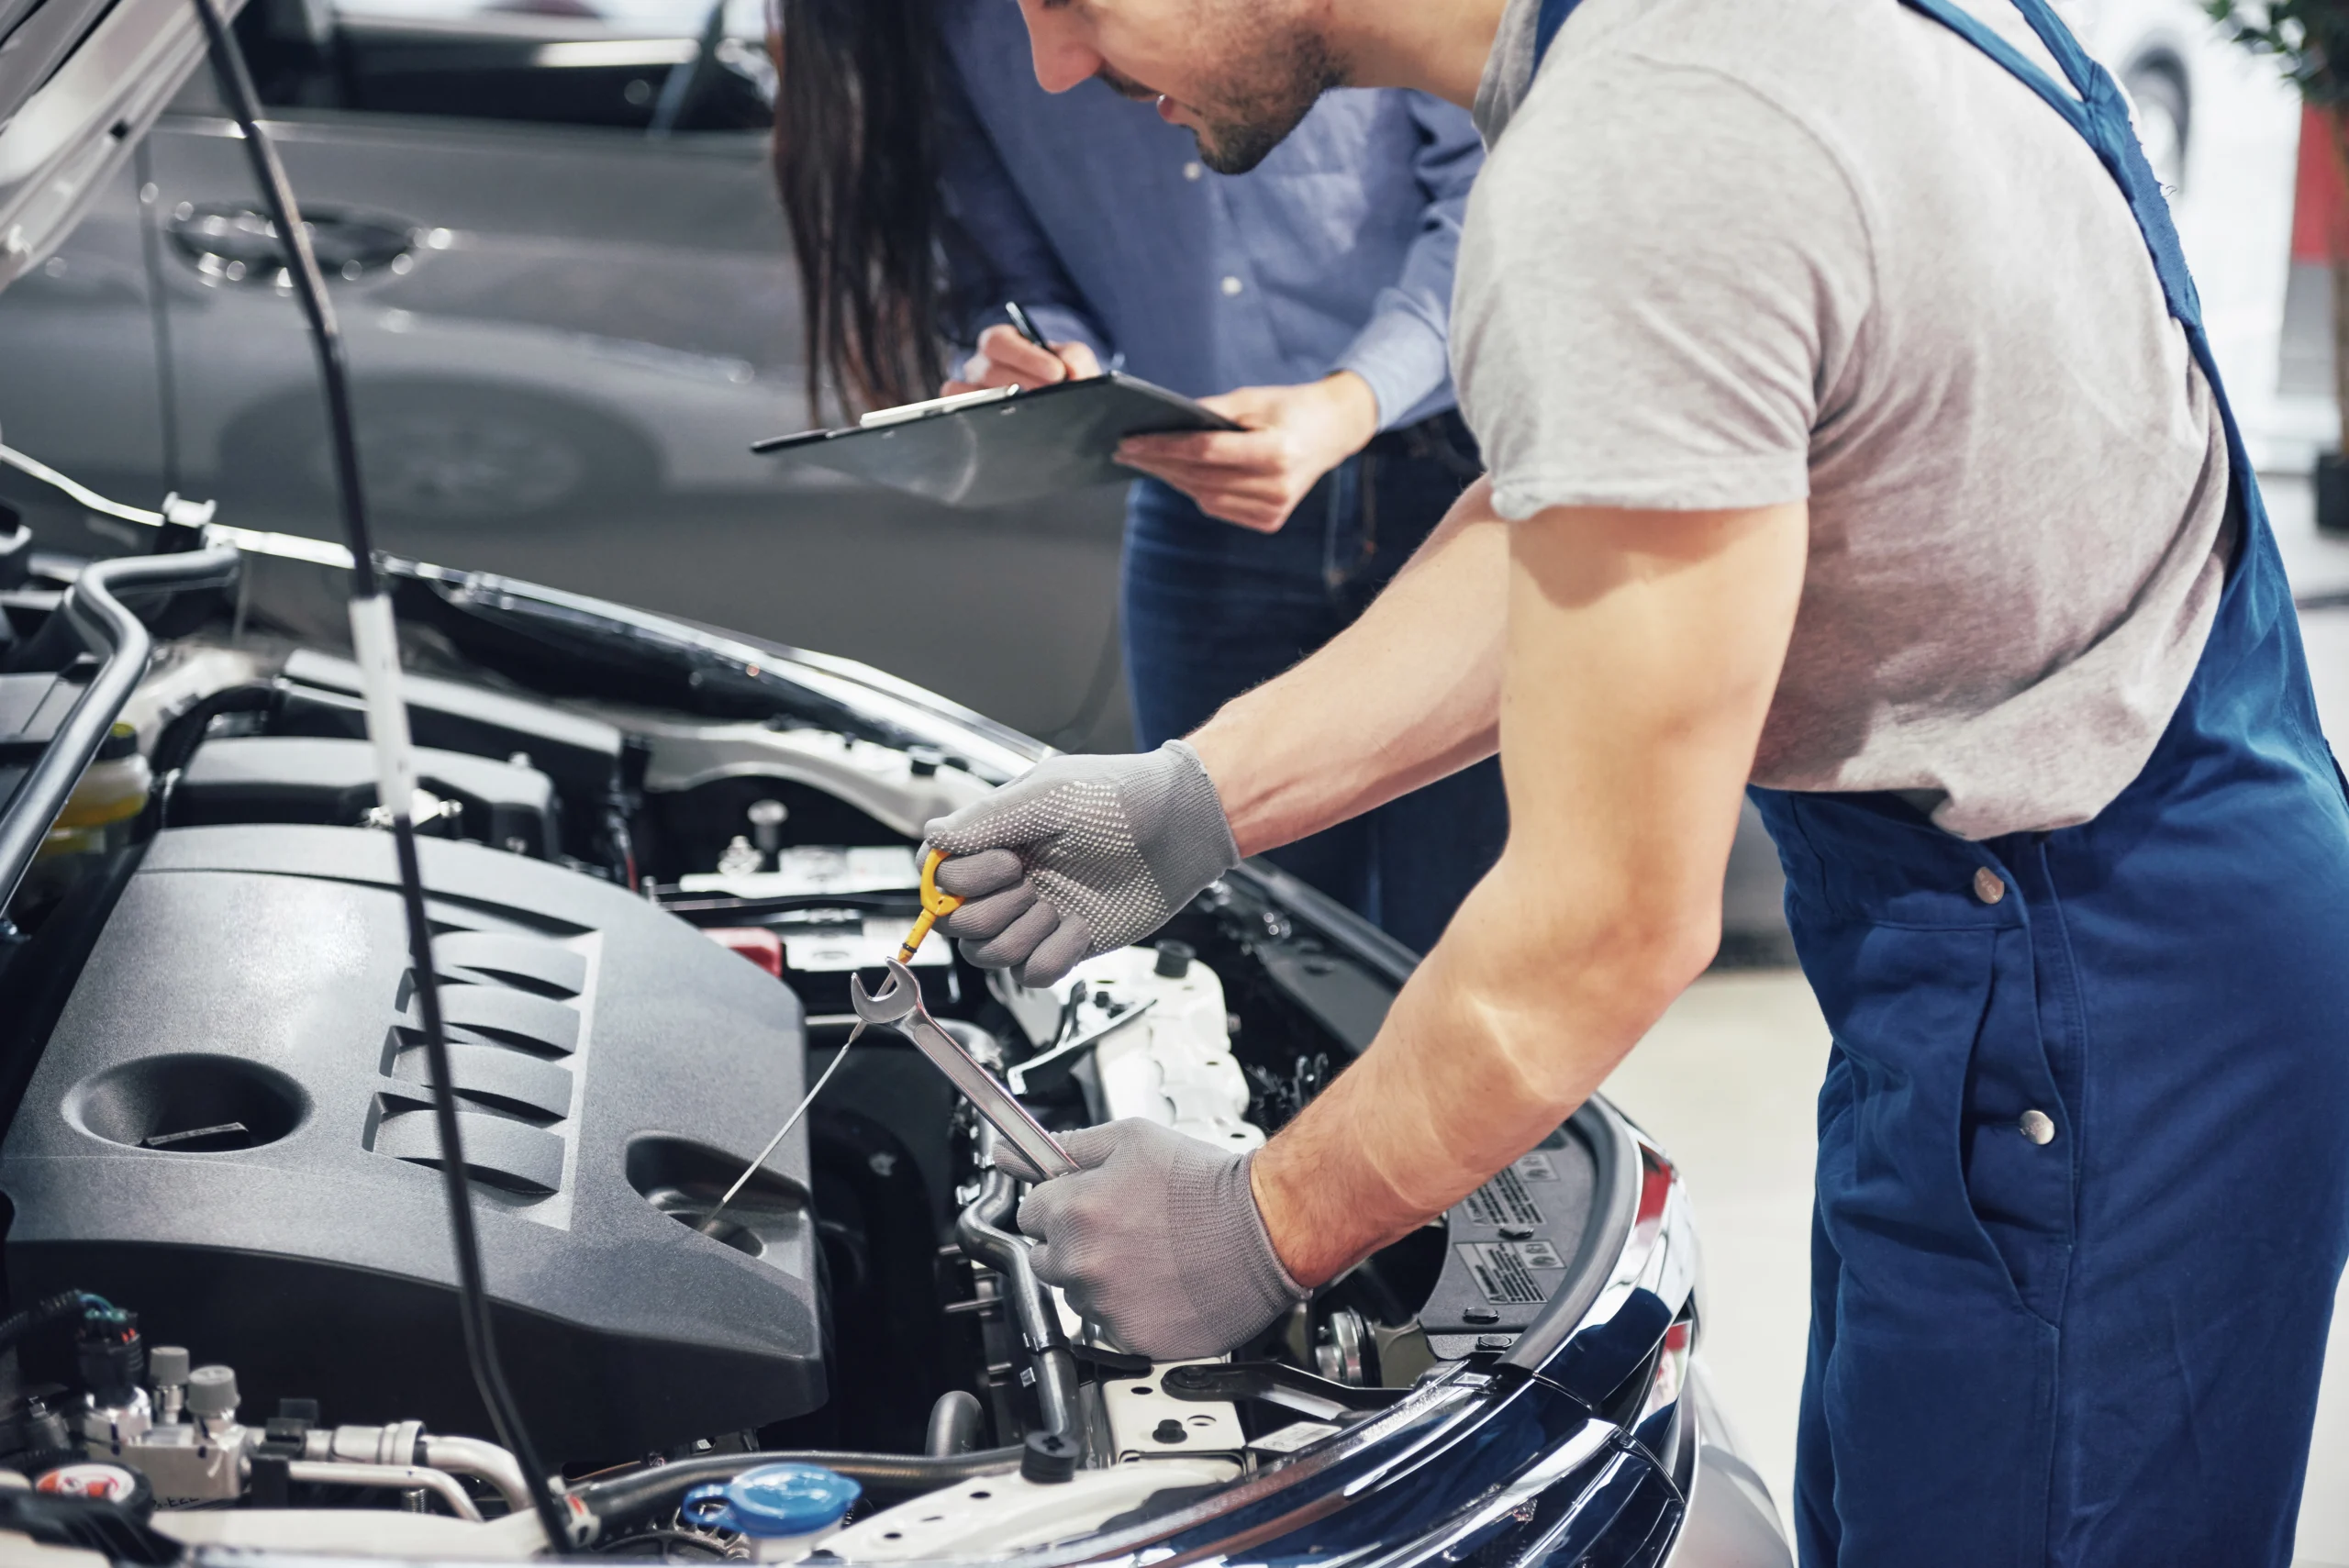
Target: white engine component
[
  {"x": 1147, "y": 1422},
  {"x": 1172, "y": 1065},
  {"x": 995, "y": 1515},
  {"x": 816, "y": 870},
  {"x": 354, "y": 1532}
]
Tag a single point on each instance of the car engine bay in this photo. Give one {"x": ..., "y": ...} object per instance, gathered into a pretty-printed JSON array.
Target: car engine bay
[{"x": 652, "y": 874}]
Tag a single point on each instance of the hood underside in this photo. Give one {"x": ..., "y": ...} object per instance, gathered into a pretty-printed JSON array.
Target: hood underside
[{"x": 80, "y": 82}]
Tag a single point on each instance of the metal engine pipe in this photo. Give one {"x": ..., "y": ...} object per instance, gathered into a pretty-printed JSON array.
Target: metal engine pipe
[
  {"x": 483, "y": 1460},
  {"x": 406, "y": 1444},
  {"x": 981, "y": 1230},
  {"x": 389, "y": 1478},
  {"x": 956, "y": 1422}
]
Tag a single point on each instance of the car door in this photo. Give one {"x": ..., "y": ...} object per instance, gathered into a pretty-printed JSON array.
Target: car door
[
  {"x": 565, "y": 287},
  {"x": 80, "y": 385}
]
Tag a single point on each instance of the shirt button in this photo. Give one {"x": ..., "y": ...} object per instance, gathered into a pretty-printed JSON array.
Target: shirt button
[
  {"x": 1192, "y": 171},
  {"x": 1232, "y": 285},
  {"x": 2036, "y": 1126},
  {"x": 1989, "y": 888}
]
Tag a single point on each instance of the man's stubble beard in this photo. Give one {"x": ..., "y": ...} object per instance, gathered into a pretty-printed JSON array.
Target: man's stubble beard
[
  {"x": 1271, "y": 87},
  {"x": 1264, "y": 91}
]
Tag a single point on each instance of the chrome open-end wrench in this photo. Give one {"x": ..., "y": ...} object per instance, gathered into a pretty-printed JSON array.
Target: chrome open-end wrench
[
  {"x": 934, "y": 906},
  {"x": 898, "y": 1005}
]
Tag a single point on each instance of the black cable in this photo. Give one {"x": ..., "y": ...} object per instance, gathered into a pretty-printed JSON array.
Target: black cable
[
  {"x": 309, "y": 287},
  {"x": 46, "y": 1311},
  {"x": 176, "y": 746},
  {"x": 473, "y": 1294}
]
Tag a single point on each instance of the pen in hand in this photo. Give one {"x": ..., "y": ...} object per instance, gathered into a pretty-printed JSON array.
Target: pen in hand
[{"x": 1025, "y": 325}]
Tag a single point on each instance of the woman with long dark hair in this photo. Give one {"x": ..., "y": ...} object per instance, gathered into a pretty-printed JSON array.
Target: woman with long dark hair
[{"x": 1304, "y": 292}]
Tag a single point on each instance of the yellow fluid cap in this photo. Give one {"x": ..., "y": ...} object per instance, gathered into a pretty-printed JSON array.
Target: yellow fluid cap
[{"x": 114, "y": 788}]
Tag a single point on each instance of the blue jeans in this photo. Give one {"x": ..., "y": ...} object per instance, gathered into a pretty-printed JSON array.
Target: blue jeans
[{"x": 1211, "y": 610}]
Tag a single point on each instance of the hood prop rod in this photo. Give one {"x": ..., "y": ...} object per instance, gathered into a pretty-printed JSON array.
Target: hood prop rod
[{"x": 375, "y": 645}]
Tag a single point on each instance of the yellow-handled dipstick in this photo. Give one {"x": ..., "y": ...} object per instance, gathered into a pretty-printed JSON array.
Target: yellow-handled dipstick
[{"x": 933, "y": 905}]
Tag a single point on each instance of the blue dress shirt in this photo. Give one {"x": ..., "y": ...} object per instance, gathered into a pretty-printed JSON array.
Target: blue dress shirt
[{"x": 1335, "y": 253}]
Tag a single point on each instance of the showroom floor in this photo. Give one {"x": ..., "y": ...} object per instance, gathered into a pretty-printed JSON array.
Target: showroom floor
[{"x": 1725, "y": 1083}]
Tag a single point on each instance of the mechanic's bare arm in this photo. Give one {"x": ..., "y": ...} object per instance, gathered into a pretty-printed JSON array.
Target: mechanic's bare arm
[
  {"x": 1406, "y": 695},
  {"x": 1642, "y": 652}
]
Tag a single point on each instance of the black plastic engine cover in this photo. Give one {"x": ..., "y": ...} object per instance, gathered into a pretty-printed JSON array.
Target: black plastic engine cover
[
  {"x": 272, "y": 778},
  {"x": 229, "y": 1132}
]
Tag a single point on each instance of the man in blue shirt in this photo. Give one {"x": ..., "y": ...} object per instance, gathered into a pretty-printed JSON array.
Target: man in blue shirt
[{"x": 1307, "y": 300}]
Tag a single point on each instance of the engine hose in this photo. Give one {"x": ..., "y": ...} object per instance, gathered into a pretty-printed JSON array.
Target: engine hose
[
  {"x": 662, "y": 1489},
  {"x": 176, "y": 746},
  {"x": 48, "y": 1311}
]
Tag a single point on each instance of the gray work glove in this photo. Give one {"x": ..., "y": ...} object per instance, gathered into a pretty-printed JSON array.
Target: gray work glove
[
  {"x": 1078, "y": 856},
  {"x": 1157, "y": 1240}
]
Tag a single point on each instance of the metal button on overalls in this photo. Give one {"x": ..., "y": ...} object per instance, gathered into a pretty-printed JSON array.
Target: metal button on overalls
[
  {"x": 2037, "y": 1125},
  {"x": 1989, "y": 886}
]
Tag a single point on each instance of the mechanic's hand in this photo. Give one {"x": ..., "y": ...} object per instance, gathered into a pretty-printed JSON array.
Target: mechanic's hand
[
  {"x": 1255, "y": 476},
  {"x": 1157, "y": 1240},
  {"x": 1080, "y": 855},
  {"x": 1006, "y": 359}
]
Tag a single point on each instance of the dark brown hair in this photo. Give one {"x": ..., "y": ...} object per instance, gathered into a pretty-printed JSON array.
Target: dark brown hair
[{"x": 856, "y": 164}]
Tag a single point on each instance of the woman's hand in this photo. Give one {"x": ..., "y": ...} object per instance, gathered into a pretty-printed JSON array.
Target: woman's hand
[
  {"x": 1006, "y": 359},
  {"x": 1256, "y": 476}
]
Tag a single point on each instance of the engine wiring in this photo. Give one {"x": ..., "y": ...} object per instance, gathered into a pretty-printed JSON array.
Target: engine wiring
[
  {"x": 376, "y": 648},
  {"x": 51, "y": 1309}
]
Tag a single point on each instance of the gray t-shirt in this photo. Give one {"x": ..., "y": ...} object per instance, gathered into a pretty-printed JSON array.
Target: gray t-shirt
[{"x": 1736, "y": 252}]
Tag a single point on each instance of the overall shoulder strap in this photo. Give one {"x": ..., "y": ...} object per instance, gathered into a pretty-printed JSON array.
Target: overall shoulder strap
[
  {"x": 1974, "y": 30},
  {"x": 1545, "y": 28},
  {"x": 2097, "y": 108}
]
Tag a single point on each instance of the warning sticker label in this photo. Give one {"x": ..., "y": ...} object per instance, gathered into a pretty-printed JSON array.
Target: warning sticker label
[
  {"x": 1504, "y": 1201},
  {"x": 1513, "y": 1274},
  {"x": 1536, "y": 1168}
]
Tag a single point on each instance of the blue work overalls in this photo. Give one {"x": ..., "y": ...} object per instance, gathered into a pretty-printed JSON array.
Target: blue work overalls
[{"x": 2083, "y": 1188}]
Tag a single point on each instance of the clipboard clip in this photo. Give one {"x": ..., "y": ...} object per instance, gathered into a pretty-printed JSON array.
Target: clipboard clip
[{"x": 923, "y": 410}]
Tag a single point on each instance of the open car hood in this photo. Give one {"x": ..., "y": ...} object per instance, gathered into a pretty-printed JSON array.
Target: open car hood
[{"x": 80, "y": 82}]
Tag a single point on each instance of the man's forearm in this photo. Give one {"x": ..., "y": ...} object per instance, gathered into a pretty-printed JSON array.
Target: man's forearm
[
  {"x": 1642, "y": 651},
  {"x": 1495, "y": 1042},
  {"x": 1406, "y": 695}
]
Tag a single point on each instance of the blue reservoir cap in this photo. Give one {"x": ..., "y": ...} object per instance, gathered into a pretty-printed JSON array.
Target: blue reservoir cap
[{"x": 775, "y": 1500}]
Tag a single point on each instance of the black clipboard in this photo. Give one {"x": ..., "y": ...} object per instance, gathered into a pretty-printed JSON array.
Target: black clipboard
[{"x": 991, "y": 449}]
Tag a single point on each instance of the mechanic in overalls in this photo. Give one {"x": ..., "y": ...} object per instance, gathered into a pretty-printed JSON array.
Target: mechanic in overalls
[{"x": 1852, "y": 435}]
